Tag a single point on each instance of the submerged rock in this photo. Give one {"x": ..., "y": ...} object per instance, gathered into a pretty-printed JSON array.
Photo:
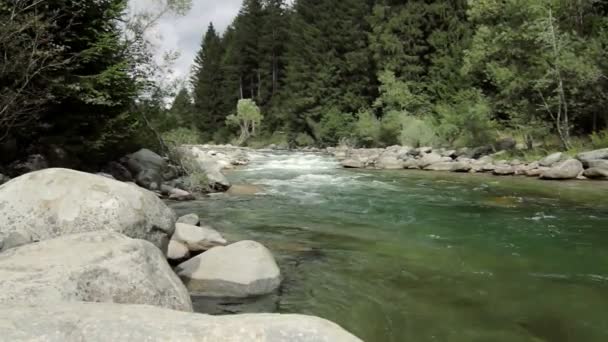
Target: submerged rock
[
  {"x": 71, "y": 322},
  {"x": 239, "y": 270},
  {"x": 568, "y": 169},
  {"x": 92, "y": 267},
  {"x": 55, "y": 202},
  {"x": 245, "y": 189}
]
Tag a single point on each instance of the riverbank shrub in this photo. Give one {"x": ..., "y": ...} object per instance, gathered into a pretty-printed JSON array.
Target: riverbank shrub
[{"x": 600, "y": 139}]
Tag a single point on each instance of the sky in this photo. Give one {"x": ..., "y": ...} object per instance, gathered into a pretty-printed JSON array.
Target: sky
[{"x": 184, "y": 33}]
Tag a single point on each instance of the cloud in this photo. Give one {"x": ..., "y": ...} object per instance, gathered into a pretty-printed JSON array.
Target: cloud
[{"x": 184, "y": 33}]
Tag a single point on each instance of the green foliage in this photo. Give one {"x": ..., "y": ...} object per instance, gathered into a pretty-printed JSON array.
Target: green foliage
[
  {"x": 367, "y": 128},
  {"x": 466, "y": 121},
  {"x": 599, "y": 139},
  {"x": 248, "y": 118},
  {"x": 417, "y": 132},
  {"x": 182, "y": 136},
  {"x": 334, "y": 126}
]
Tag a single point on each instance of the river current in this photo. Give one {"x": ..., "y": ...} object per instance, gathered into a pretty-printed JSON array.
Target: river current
[{"x": 426, "y": 256}]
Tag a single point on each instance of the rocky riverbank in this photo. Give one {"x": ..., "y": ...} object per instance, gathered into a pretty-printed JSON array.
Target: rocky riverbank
[
  {"x": 557, "y": 166},
  {"x": 83, "y": 257}
]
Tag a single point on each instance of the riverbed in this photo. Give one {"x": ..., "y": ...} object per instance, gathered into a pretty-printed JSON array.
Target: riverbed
[{"x": 426, "y": 256}]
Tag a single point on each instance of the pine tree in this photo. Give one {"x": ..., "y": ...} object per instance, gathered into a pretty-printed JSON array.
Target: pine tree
[{"x": 207, "y": 81}]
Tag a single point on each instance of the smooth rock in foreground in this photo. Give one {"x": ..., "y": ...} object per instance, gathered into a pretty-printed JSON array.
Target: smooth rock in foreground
[
  {"x": 101, "y": 322},
  {"x": 55, "y": 202},
  {"x": 196, "y": 238},
  {"x": 568, "y": 169},
  {"x": 239, "y": 270},
  {"x": 92, "y": 267}
]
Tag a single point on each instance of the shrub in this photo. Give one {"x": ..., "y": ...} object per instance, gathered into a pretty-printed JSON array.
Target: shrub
[
  {"x": 466, "y": 121},
  {"x": 182, "y": 136},
  {"x": 304, "y": 140},
  {"x": 334, "y": 126},
  {"x": 599, "y": 139},
  {"x": 367, "y": 128},
  {"x": 417, "y": 132}
]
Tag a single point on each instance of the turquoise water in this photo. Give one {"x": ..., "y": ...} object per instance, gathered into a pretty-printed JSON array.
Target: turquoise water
[{"x": 417, "y": 256}]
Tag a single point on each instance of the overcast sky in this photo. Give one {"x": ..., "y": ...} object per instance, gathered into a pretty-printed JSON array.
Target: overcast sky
[{"x": 184, "y": 34}]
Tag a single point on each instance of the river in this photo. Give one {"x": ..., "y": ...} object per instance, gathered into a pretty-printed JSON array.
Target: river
[{"x": 426, "y": 256}]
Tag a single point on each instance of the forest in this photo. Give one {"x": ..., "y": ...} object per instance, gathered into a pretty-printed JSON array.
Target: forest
[{"x": 80, "y": 75}]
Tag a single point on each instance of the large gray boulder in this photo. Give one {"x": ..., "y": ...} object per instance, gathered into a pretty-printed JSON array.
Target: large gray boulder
[
  {"x": 352, "y": 164},
  {"x": 103, "y": 322},
  {"x": 551, "y": 159},
  {"x": 585, "y": 157},
  {"x": 55, "y": 202},
  {"x": 568, "y": 169},
  {"x": 243, "y": 269},
  {"x": 452, "y": 166},
  {"x": 598, "y": 164},
  {"x": 389, "y": 161},
  {"x": 91, "y": 267},
  {"x": 596, "y": 173},
  {"x": 148, "y": 168},
  {"x": 430, "y": 158},
  {"x": 197, "y": 239}
]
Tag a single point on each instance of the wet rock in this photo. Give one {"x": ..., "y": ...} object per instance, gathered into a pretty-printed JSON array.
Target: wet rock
[
  {"x": 504, "y": 170},
  {"x": 596, "y": 173},
  {"x": 243, "y": 269},
  {"x": 191, "y": 219},
  {"x": 98, "y": 266},
  {"x": 598, "y": 164},
  {"x": 118, "y": 171},
  {"x": 551, "y": 159},
  {"x": 352, "y": 164},
  {"x": 585, "y": 157},
  {"x": 429, "y": 159},
  {"x": 568, "y": 169},
  {"x": 76, "y": 202},
  {"x": 450, "y": 166},
  {"x": 196, "y": 238},
  {"x": 67, "y": 322},
  {"x": 177, "y": 251},
  {"x": 389, "y": 161},
  {"x": 411, "y": 164},
  {"x": 176, "y": 194},
  {"x": 245, "y": 190}
]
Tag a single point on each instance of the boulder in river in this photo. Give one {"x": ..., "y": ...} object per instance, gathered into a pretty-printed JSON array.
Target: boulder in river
[
  {"x": 148, "y": 168},
  {"x": 72, "y": 322},
  {"x": 596, "y": 173},
  {"x": 389, "y": 161},
  {"x": 191, "y": 219},
  {"x": 452, "y": 166},
  {"x": 429, "y": 159},
  {"x": 568, "y": 169},
  {"x": 98, "y": 266},
  {"x": 585, "y": 157},
  {"x": 598, "y": 164},
  {"x": 352, "y": 164},
  {"x": 504, "y": 170},
  {"x": 243, "y": 269},
  {"x": 55, "y": 202},
  {"x": 196, "y": 238},
  {"x": 177, "y": 251},
  {"x": 551, "y": 159}
]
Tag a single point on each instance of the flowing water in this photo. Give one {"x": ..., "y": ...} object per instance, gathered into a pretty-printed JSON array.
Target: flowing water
[{"x": 417, "y": 256}]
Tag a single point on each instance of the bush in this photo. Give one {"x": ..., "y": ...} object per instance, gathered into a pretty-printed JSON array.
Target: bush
[
  {"x": 466, "y": 121},
  {"x": 304, "y": 140},
  {"x": 182, "y": 136},
  {"x": 600, "y": 139},
  {"x": 367, "y": 129},
  {"x": 334, "y": 126},
  {"x": 417, "y": 132}
]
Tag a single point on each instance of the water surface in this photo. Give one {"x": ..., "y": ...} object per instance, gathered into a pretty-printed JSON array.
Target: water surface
[{"x": 420, "y": 256}]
